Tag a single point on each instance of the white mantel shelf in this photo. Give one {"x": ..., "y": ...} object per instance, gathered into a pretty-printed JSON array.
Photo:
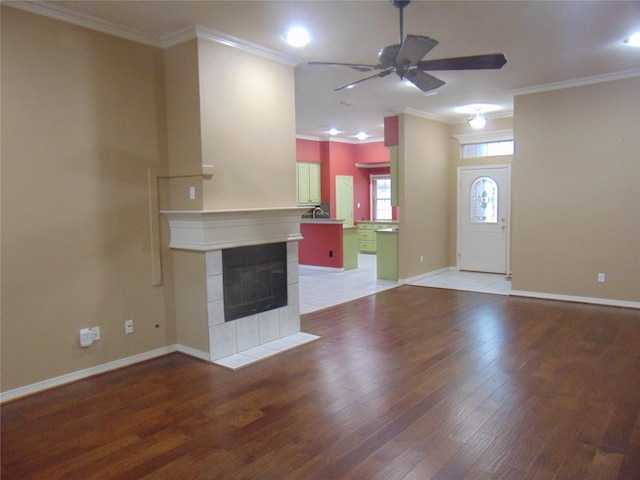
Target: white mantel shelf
[{"x": 206, "y": 230}]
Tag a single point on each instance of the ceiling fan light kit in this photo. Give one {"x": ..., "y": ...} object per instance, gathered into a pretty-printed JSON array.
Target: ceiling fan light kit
[
  {"x": 405, "y": 60},
  {"x": 477, "y": 121}
]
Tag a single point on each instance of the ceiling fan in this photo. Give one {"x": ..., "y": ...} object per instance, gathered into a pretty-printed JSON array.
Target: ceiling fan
[{"x": 405, "y": 59}]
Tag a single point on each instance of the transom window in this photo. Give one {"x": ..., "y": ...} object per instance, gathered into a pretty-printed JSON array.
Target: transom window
[
  {"x": 487, "y": 149},
  {"x": 381, "y": 197},
  {"x": 484, "y": 201}
]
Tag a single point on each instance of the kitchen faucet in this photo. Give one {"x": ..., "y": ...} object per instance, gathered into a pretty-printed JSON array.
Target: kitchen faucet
[{"x": 313, "y": 214}]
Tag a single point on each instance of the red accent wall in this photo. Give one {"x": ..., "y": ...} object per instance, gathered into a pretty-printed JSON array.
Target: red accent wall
[
  {"x": 374, "y": 152},
  {"x": 391, "y": 131},
  {"x": 319, "y": 240},
  {"x": 307, "y": 151},
  {"x": 339, "y": 158}
]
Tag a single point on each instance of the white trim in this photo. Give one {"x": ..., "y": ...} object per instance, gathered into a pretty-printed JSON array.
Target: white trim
[
  {"x": 87, "y": 372},
  {"x": 419, "y": 113},
  {"x": 50, "y": 10},
  {"x": 212, "y": 35},
  {"x": 578, "y": 82},
  {"x": 205, "y": 230},
  {"x": 57, "y": 12},
  {"x": 422, "y": 276},
  {"x": 192, "y": 352},
  {"x": 572, "y": 298},
  {"x": 353, "y": 141},
  {"x": 482, "y": 137},
  {"x": 308, "y": 137}
]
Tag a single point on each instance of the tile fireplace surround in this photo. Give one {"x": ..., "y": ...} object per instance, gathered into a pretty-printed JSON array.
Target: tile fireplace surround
[{"x": 243, "y": 341}]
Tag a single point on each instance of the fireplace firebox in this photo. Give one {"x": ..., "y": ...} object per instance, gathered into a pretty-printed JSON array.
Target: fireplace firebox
[{"x": 254, "y": 279}]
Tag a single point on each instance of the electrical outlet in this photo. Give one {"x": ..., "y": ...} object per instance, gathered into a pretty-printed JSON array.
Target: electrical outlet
[
  {"x": 421, "y": 258},
  {"x": 128, "y": 326},
  {"x": 601, "y": 277},
  {"x": 192, "y": 192},
  {"x": 95, "y": 331}
]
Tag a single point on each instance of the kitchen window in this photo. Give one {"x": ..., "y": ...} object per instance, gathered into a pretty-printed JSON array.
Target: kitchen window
[{"x": 380, "y": 197}]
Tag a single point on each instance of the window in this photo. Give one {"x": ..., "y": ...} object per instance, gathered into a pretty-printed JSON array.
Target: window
[
  {"x": 381, "y": 197},
  {"x": 484, "y": 201},
  {"x": 487, "y": 149}
]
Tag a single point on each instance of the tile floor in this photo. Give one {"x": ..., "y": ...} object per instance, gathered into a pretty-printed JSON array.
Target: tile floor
[
  {"x": 266, "y": 350},
  {"x": 469, "y": 281},
  {"x": 322, "y": 288}
]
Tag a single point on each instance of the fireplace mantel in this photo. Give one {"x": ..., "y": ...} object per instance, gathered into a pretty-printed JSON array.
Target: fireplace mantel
[{"x": 206, "y": 230}]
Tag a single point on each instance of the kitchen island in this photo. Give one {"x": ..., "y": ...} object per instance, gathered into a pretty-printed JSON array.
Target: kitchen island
[{"x": 328, "y": 243}]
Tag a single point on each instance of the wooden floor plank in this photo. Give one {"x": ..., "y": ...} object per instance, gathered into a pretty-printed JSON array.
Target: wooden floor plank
[{"x": 410, "y": 383}]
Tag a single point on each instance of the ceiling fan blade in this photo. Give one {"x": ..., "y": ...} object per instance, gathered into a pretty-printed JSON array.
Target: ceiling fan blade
[
  {"x": 475, "y": 62},
  {"x": 356, "y": 66},
  {"x": 353, "y": 84},
  {"x": 422, "y": 80},
  {"x": 414, "y": 48}
]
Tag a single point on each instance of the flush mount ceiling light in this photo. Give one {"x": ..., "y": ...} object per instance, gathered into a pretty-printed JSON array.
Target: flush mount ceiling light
[
  {"x": 333, "y": 131},
  {"x": 477, "y": 121},
  {"x": 633, "y": 40},
  {"x": 362, "y": 136},
  {"x": 297, "y": 37}
]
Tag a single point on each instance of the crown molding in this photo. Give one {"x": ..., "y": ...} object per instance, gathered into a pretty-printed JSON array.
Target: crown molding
[
  {"x": 419, "y": 113},
  {"x": 578, "y": 82},
  {"x": 209, "y": 34},
  {"x": 179, "y": 36},
  {"x": 353, "y": 141},
  {"x": 82, "y": 20}
]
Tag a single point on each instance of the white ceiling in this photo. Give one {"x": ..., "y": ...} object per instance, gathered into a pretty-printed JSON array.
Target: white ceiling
[{"x": 547, "y": 44}]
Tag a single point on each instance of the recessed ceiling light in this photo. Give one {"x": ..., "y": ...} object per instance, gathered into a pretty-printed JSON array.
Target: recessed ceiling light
[
  {"x": 333, "y": 131},
  {"x": 297, "y": 37},
  {"x": 633, "y": 40},
  {"x": 362, "y": 135}
]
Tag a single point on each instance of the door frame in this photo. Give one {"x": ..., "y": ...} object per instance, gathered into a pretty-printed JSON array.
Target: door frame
[{"x": 507, "y": 216}]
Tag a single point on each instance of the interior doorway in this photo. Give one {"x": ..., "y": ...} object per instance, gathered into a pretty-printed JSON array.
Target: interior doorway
[{"x": 344, "y": 199}]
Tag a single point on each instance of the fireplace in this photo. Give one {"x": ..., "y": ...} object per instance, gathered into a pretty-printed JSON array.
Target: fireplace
[
  {"x": 274, "y": 316},
  {"x": 254, "y": 279}
]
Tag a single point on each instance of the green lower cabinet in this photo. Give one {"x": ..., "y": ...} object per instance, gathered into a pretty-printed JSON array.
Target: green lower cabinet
[
  {"x": 387, "y": 255},
  {"x": 350, "y": 248},
  {"x": 367, "y": 234}
]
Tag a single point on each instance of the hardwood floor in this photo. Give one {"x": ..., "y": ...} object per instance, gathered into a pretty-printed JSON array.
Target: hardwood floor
[{"x": 410, "y": 383}]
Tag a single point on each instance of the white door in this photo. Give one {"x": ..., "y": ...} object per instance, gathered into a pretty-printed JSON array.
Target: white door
[
  {"x": 483, "y": 218},
  {"x": 344, "y": 199}
]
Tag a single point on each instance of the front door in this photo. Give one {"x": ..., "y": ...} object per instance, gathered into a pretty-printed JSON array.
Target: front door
[
  {"x": 483, "y": 218},
  {"x": 344, "y": 199}
]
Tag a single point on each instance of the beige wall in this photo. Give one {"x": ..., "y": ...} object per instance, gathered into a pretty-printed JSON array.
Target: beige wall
[
  {"x": 82, "y": 120},
  {"x": 248, "y": 128},
  {"x": 576, "y": 191},
  {"x": 190, "y": 277},
  {"x": 184, "y": 144},
  {"x": 423, "y": 186}
]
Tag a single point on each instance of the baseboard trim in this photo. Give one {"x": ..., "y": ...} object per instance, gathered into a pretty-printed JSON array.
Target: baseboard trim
[
  {"x": 192, "y": 352},
  {"x": 571, "y": 298},
  {"x": 98, "y": 369},
  {"x": 422, "y": 276}
]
